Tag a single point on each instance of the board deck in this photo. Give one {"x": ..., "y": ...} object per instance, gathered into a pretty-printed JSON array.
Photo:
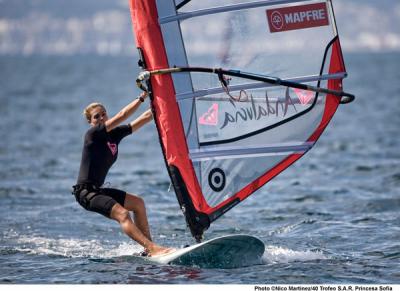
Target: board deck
[{"x": 231, "y": 251}]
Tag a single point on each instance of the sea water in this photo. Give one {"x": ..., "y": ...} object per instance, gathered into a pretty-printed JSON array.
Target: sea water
[{"x": 333, "y": 217}]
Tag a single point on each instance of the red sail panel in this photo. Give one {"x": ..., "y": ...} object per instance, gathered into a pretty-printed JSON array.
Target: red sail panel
[{"x": 166, "y": 111}]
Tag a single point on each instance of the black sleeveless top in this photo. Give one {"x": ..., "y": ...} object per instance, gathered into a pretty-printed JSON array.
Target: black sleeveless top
[{"x": 100, "y": 151}]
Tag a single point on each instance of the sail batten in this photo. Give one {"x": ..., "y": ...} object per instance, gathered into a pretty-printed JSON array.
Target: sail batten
[
  {"x": 226, "y": 8},
  {"x": 259, "y": 85},
  {"x": 248, "y": 152}
]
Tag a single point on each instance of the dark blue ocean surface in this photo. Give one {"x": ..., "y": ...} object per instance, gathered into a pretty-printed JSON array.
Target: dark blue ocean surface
[{"x": 331, "y": 218}]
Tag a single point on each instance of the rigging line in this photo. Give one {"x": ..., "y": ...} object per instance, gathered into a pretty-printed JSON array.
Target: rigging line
[
  {"x": 345, "y": 97},
  {"x": 224, "y": 84}
]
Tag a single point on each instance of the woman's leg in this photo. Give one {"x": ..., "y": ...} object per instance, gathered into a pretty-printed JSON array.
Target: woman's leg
[
  {"x": 121, "y": 215},
  {"x": 136, "y": 204}
]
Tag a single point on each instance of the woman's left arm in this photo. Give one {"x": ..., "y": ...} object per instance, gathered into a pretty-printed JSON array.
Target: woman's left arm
[{"x": 141, "y": 120}]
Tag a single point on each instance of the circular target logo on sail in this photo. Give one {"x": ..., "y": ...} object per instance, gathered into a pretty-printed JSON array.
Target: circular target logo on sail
[
  {"x": 277, "y": 20},
  {"x": 217, "y": 179}
]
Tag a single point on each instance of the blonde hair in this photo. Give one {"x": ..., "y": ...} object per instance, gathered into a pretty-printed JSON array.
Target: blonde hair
[{"x": 86, "y": 111}]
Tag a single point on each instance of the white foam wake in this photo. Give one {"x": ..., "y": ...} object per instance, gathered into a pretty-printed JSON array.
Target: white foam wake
[
  {"x": 274, "y": 254},
  {"x": 74, "y": 247}
]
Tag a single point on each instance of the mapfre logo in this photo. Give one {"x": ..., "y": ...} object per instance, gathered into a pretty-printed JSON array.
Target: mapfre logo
[
  {"x": 276, "y": 20},
  {"x": 298, "y": 17}
]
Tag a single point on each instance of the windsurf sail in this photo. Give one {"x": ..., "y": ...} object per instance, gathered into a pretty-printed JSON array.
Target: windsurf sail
[{"x": 239, "y": 92}]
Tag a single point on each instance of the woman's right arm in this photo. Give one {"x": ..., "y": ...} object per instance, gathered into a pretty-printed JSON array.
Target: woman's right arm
[{"x": 125, "y": 112}]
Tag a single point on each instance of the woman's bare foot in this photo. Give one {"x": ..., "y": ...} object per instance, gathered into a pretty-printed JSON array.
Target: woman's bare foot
[{"x": 157, "y": 250}]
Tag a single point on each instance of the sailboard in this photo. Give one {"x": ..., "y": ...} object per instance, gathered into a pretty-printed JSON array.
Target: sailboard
[
  {"x": 225, "y": 252},
  {"x": 240, "y": 90}
]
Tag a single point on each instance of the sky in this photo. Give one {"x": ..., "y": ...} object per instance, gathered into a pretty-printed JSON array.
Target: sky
[{"x": 68, "y": 27}]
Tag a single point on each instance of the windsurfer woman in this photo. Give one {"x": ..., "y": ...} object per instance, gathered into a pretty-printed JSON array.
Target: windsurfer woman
[{"x": 100, "y": 151}]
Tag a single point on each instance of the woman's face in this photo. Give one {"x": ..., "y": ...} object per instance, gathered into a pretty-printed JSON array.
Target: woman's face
[{"x": 98, "y": 115}]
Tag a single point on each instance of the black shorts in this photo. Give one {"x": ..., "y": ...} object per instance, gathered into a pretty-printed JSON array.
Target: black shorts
[{"x": 100, "y": 200}]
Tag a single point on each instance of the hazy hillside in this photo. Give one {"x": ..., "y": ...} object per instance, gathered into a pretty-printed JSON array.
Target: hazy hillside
[{"x": 103, "y": 26}]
